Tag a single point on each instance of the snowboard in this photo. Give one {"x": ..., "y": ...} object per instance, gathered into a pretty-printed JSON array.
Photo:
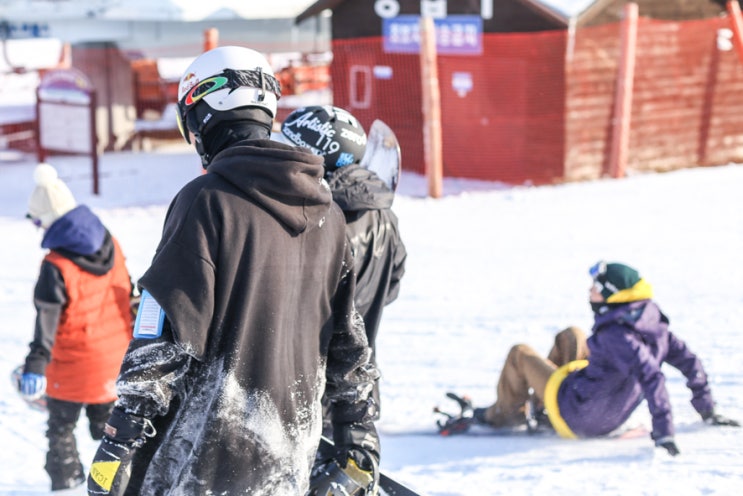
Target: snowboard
[
  {"x": 463, "y": 421},
  {"x": 38, "y": 404},
  {"x": 382, "y": 155},
  {"x": 387, "y": 485},
  {"x": 536, "y": 424},
  {"x": 544, "y": 432}
]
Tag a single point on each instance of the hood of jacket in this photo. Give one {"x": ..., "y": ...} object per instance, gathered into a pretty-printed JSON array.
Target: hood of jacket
[
  {"x": 356, "y": 188},
  {"x": 285, "y": 180},
  {"x": 80, "y": 236},
  {"x": 643, "y": 317}
]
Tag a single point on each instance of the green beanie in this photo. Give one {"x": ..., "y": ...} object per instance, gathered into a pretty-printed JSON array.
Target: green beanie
[{"x": 620, "y": 283}]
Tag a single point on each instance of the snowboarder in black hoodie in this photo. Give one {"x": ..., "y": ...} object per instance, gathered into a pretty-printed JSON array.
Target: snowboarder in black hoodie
[
  {"x": 247, "y": 314},
  {"x": 366, "y": 200}
]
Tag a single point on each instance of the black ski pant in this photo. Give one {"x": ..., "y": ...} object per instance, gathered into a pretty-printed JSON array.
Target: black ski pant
[{"x": 63, "y": 460}]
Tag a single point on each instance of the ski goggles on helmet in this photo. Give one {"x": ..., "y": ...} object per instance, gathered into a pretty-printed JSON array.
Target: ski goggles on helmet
[
  {"x": 596, "y": 272},
  {"x": 34, "y": 220},
  {"x": 598, "y": 269},
  {"x": 230, "y": 79}
]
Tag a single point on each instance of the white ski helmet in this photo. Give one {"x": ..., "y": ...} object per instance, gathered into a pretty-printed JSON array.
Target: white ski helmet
[{"x": 221, "y": 82}]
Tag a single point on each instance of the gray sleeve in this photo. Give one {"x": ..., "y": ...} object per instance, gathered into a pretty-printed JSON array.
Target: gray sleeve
[{"x": 50, "y": 297}]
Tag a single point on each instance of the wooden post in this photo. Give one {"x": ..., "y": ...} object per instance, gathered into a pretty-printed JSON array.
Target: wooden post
[
  {"x": 623, "y": 99},
  {"x": 65, "y": 57},
  {"x": 94, "y": 143},
  {"x": 432, "y": 148},
  {"x": 736, "y": 22},
  {"x": 211, "y": 39}
]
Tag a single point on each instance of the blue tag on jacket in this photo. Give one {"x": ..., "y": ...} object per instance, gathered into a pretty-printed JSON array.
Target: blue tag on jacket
[{"x": 150, "y": 318}]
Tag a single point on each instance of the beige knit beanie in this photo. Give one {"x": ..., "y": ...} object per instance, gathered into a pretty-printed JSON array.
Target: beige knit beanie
[{"x": 51, "y": 198}]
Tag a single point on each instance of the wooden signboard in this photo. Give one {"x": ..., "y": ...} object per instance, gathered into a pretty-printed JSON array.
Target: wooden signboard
[{"x": 65, "y": 116}]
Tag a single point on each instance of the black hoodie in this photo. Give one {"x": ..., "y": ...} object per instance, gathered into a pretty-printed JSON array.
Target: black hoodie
[{"x": 255, "y": 278}]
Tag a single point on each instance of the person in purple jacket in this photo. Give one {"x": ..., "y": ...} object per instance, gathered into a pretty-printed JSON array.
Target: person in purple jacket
[{"x": 590, "y": 387}]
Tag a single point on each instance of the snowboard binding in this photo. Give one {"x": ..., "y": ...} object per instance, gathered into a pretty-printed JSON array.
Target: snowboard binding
[
  {"x": 456, "y": 423},
  {"x": 535, "y": 418}
]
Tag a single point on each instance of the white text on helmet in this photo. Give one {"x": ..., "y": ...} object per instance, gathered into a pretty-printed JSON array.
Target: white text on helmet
[{"x": 359, "y": 139}]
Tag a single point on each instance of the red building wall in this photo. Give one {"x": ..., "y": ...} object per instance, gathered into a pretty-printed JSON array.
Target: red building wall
[
  {"x": 540, "y": 108},
  {"x": 508, "y": 126}
]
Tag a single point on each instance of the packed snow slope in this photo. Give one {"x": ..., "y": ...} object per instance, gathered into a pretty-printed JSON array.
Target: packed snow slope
[{"x": 489, "y": 266}]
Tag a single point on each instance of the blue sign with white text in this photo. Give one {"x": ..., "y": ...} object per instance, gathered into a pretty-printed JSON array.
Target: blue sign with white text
[{"x": 455, "y": 34}]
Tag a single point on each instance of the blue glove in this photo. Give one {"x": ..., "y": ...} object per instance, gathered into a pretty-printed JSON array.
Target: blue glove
[{"x": 32, "y": 386}]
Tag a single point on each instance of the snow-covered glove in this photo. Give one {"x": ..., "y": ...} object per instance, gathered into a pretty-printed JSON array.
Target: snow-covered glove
[
  {"x": 350, "y": 465},
  {"x": 668, "y": 444},
  {"x": 352, "y": 471},
  {"x": 32, "y": 386},
  {"x": 712, "y": 418},
  {"x": 111, "y": 466}
]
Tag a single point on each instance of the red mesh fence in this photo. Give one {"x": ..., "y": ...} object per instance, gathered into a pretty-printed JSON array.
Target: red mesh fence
[
  {"x": 502, "y": 112},
  {"x": 538, "y": 107},
  {"x": 687, "y": 98}
]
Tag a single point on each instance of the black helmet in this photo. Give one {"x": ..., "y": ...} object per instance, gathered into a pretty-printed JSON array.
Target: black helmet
[{"x": 328, "y": 131}]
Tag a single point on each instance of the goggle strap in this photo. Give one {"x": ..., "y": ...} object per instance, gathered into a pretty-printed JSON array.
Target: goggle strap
[
  {"x": 253, "y": 79},
  {"x": 235, "y": 79}
]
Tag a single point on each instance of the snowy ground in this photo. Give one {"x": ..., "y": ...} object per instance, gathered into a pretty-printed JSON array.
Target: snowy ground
[{"x": 488, "y": 267}]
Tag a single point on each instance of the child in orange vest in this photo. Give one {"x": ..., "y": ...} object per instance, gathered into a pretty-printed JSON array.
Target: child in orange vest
[{"x": 83, "y": 323}]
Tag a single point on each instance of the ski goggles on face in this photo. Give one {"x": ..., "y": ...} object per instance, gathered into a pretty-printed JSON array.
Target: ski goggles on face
[
  {"x": 34, "y": 220},
  {"x": 229, "y": 79}
]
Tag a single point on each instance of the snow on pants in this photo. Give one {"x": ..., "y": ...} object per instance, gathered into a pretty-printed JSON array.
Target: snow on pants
[
  {"x": 525, "y": 372},
  {"x": 63, "y": 460}
]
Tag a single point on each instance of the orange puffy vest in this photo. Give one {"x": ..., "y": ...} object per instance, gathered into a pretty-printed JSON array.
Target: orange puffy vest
[{"x": 93, "y": 333}]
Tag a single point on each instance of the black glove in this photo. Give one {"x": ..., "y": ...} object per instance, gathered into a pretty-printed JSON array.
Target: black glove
[
  {"x": 111, "y": 466},
  {"x": 668, "y": 444},
  {"x": 351, "y": 470},
  {"x": 713, "y": 418},
  {"x": 360, "y": 437},
  {"x": 351, "y": 462},
  {"x": 364, "y": 459}
]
